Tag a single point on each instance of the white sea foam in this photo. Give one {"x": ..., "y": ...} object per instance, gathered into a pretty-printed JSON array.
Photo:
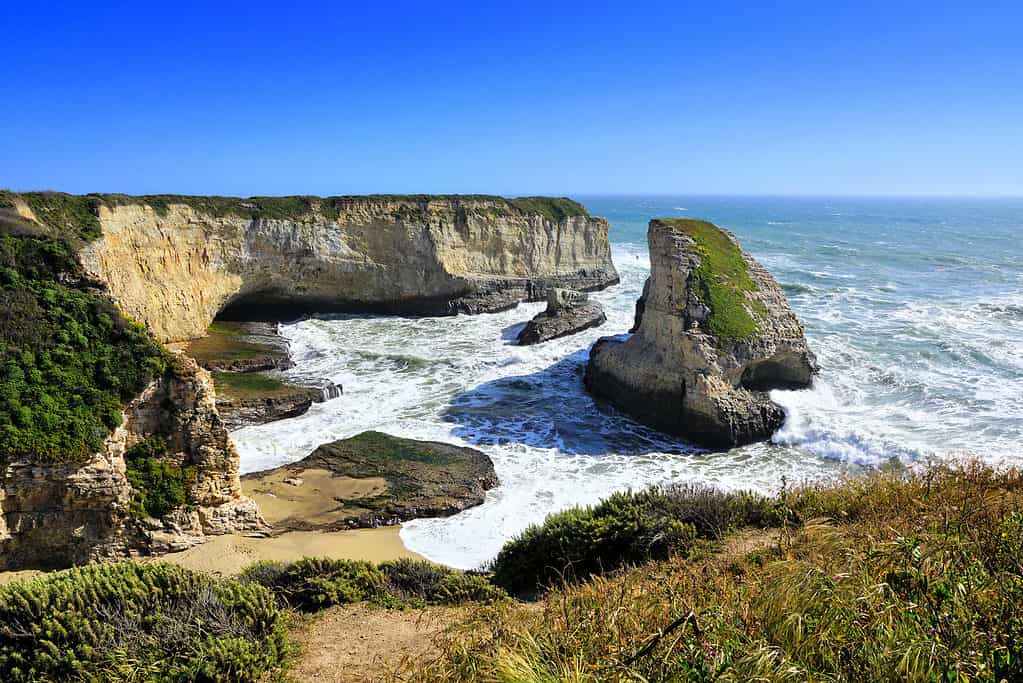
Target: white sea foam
[{"x": 909, "y": 380}]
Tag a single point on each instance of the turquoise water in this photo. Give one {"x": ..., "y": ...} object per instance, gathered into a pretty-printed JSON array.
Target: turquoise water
[
  {"x": 913, "y": 306},
  {"x": 914, "y": 309}
]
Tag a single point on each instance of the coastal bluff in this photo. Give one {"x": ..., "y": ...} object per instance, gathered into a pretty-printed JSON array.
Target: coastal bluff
[
  {"x": 177, "y": 262},
  {"x": 713, "y": 335}
]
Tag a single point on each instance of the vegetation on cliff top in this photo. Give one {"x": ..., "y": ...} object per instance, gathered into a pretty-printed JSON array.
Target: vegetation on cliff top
[
  {"x": 893, "y": 576},
  {"x": 77, "y": 214},
  {"x": 138, "y": 622},
  {"x": 721, "y": 280},
  {"x": 69, "y": 361}
]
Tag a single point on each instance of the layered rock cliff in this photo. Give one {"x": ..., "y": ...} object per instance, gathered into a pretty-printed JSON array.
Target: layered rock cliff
[
  {"x": 713, "y": 334},
  {"x": 61, "y": 513},
  {"x": 174, "y": 263}
]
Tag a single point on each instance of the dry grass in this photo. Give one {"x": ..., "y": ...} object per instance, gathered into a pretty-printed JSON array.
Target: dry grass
[{"x": 884, "y": 578}]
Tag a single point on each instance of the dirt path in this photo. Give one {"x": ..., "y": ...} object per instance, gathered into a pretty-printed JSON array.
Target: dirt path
[{"x": 357, "y": 643}]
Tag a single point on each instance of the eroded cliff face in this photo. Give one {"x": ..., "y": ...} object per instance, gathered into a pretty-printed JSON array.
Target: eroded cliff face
[
  {"x": 56, "y": 514},
  {"x": 713, "y": 334},
  {"x": 175, "y": 266}
]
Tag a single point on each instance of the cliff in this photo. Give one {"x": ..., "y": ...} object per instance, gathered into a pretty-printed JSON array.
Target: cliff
[
  {"x": 68, "y": 512},
  {"x": 713, "y": 335},
  {"x": 175, "y": 263}
]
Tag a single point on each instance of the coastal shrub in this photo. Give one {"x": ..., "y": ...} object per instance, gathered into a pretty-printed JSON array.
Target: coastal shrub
[
  {"x": 159, "y": 486},
  {"x": 928, "y": 589},
  {"x": 573, "y": 544},
  {"x": 626, "y": 528},
  {"x": 138, "y": 622},
  {"x": 313, "y": 583},
  {"x": 69, "y": 361},
  {"x": 310, "y": 584},
  {"x": 423, "y": 582}
]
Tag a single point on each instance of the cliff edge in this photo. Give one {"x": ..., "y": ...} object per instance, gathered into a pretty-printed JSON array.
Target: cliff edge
[
  {"x": 713, "y": 335},
  {"x": 176, "y": 262}
]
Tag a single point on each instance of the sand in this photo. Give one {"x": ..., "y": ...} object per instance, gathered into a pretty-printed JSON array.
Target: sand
[
  {"x": 308, "y": 496},
  {"x": 228, "y": 555}
]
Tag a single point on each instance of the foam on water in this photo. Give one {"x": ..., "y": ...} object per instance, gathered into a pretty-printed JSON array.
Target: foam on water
[{"x": 918, "y": 362}]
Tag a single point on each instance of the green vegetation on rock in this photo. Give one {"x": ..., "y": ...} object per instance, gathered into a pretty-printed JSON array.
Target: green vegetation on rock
[
  {"x": 69, "y": 361},
  {"x": 242, "y": 385},
  {"x": 721, "y": 280},
  {"x": 77, "y": 214},
  {"x": 159, "y": 486},
  {"x": 138, "y": 622}
]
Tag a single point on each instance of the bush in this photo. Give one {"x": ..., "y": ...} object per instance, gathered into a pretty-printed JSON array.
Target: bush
[
  {"x": 624, "y": 529},
  {"x": 422, "y": 582},
  {"x": 128, "y": 622},
  {"x": 310, "y": 584},
  {"x": 69, "y": 361},
  {"x": 313, "y": 583},
  {"x": 159, "y": 486}
]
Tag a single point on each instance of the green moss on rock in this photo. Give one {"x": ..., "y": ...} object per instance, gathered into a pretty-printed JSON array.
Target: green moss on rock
[{"x": 721, "y": 280}]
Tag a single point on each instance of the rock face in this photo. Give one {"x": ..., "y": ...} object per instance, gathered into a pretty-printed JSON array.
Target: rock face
[
  {"x": 713, "y": 334},
  {"x": 567, "y": 312},
  {"x": 370, "y": 480},
  {"x": 58, "y": 514},
  {"x": 174, "y": 263}
]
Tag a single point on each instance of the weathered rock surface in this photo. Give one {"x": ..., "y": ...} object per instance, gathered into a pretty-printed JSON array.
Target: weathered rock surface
[
  {"x": 241, "y": 347},
  {"x": 283, "y": 400},
  {"x": 369, "y": 480},
  {"x": 55, "y": 514},
  {"x": 567, "y": 312},
  {"x": 713, "y": 334},
  {"x": 176, "y": 263}
]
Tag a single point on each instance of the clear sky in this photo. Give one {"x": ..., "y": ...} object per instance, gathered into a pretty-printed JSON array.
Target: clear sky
[{"x": 513, "y": 98}]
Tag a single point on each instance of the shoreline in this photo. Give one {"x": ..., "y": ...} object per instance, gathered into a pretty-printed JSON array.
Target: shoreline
[{"x": 229, "y": 554}]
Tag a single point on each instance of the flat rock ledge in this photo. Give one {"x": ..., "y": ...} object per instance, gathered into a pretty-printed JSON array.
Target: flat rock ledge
[
  {"x": 713, "y": 335},
  {"x": 568, "y": 312},
  {"x": 372, "y": 479}
]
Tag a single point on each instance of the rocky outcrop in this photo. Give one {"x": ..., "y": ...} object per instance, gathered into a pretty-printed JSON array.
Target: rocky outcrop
[
  {"x": 567, "y": 312},
  {"x": 370, "y": 480},
  {"x": 284, "y": 401},
  {"x": 174, "y": 263},
  {"x": 714, "y": 333},
  {"x": 55, "y": 514}
]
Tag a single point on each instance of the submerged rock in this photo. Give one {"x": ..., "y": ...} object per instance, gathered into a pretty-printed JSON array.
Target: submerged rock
[
  {"x": 567, "y": 312},
  {"x": 713, "y": 334},
  {"x": 370, "y": 480}
]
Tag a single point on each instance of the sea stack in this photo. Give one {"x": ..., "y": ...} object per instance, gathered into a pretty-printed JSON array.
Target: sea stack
[
  {"x": 713, "y": 335},
  {"x": 567, "y": 312}
]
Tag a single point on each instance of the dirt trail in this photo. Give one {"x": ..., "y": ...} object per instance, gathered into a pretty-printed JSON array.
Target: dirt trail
[{"x": 356, "y": 644}]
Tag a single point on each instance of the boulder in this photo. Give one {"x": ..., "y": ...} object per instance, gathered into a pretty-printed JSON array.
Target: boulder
[
  {"x": 713, "y": 335},
  {"x": 370, "y": 480},
  {"x": 567, "y": 312}
]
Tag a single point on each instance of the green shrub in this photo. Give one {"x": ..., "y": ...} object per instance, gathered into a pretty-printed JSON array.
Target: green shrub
[
  {"x": 423, "y": 582},
  {"x": 69, "y": 361},
  {"x": 626, "y": 528},
  {"x": 310, "y": 584},
  {"x": 159, "y": 486},
  {"x": 313, "y": 583},
  {"x": 573, "y": 544},
  {"x": 137, "y": 622}
]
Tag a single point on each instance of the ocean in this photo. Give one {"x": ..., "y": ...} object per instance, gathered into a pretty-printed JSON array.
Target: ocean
[{"x": 914, "y": 308}]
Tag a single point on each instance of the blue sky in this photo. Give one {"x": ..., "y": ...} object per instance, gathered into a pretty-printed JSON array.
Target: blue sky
[{"x": 513, "y": 98}]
